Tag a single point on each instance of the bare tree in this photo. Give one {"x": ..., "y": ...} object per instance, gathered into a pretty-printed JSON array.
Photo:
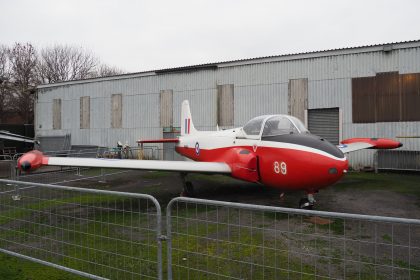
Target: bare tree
[
  {"x": 4, "y": 79},
  {"x": 23, "y": 61},
  {"x": 104, "y": 70},
  {"x": 22, "y": 68},
  {"x": 4, "y": 62},
  {"x": 65, "y": 63}
]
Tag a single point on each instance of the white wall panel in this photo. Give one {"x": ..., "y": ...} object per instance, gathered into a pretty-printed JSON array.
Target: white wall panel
[
  {"x": 203, "y": 107},
  {"x": 252, "y": 101}
]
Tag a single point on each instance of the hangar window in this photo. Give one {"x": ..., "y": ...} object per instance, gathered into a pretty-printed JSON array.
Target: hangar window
[
  {"x": 56, "y": 113},
  {"x": 387, "y": 97},
  {"x": 225, "y": 101},
  {"x": 116, "y": 114},
  {"x": 85, "y": 112}
]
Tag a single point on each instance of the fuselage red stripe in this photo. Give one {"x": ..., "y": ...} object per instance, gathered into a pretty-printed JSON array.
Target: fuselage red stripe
[{"x": 302, "y": 169}]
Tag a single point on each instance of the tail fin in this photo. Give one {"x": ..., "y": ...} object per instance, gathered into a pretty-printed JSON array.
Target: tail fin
[{"x": 187, "y": 126}]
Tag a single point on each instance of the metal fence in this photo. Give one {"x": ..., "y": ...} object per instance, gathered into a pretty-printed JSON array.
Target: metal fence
[
  {"x": 113, "y": 235},
  {"x": 223, "y": 240},
  {"x": 7, "y": 168},
  {"x": 93, "y": 233}
]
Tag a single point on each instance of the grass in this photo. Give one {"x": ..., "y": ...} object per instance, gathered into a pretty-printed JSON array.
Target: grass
[
  {"x": 394, "y": 182},
  {"x": 84, "y": 242},
  {"x": 13, "y": 268},
  {"x": 239, "y": 254},
  {"x": 221, "y": 179},
  {"x": 25, "y": 209},
  {"x": 336, "y": 227},
  {"x": 387, "y": 238},
  {"x": 29, "y": 214},
  {"x": 155, "y": 174}
]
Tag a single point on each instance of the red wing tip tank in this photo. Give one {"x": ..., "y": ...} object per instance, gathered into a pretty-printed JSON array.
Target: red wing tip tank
[{"x": 273, "y": 150}]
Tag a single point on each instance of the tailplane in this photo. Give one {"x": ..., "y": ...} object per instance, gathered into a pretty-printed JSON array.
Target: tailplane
[{"x": 187, "y": 126}]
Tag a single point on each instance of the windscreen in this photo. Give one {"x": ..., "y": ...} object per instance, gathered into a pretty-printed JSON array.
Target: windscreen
[
  {"x": 253, "y": 127},
  {"x": 278, "y": 125},
  {"x": 300, "y": 126}
]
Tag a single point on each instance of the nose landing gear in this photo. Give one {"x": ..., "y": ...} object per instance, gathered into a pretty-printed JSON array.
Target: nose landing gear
[
  {"x": 188, "y": 187},
  {"x": 307, "y": 203},
  {"x": 282, "y": 196}
]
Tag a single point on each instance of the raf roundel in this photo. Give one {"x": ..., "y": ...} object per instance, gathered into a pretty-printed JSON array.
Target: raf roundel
[{"x": 197, "y": 149}]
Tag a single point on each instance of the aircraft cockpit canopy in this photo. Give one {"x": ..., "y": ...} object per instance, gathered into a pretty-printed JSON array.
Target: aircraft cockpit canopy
[
  {"x": 253, "y": 127},
  {"x": 273, "y": 125}
]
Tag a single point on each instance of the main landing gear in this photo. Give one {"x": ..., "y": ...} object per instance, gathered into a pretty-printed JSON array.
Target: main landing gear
[
  {"x": 188, "y": 186},
  {"x": 307, "y": 203}
]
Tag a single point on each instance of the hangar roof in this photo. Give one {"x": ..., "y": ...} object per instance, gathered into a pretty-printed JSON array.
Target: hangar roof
[{"x": 266, "y": 59}]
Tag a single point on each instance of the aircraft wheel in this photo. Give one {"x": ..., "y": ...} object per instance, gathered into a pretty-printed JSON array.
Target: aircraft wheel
[{"x": 305, "y": 204}]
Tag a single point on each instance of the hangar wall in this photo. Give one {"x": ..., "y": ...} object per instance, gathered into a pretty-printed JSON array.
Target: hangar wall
[{"x": 260, "y": 86}]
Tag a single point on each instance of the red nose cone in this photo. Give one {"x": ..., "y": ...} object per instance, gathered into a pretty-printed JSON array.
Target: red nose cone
[{"x": 31, "y": 161}]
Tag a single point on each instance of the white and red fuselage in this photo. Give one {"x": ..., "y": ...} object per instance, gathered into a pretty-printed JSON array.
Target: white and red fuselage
[{"x": 290, "y": 161}]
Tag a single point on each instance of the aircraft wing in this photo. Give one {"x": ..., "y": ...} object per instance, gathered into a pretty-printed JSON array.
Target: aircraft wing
[
  {"x": 35, "y": 159},
  {"x": 347, "y": 148},
  {"x": 355, "y": 144}
]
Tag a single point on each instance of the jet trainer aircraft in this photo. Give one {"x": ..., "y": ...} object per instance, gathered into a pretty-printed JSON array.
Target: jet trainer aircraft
[{"x": 273, "y": 150}]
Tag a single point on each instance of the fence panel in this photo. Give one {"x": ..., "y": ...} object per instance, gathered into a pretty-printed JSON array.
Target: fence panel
[
  {"x": 7, "y": 168},
  {"x": 93, "y": 233},
  {"x": 223, "y": 240}
]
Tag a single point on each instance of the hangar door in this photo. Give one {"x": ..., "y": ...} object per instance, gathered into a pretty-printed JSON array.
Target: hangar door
[{"x": 325, "y": 123}]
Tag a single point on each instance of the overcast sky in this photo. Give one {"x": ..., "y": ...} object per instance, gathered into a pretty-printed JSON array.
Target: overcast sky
[{"x": 146, "y": 35}]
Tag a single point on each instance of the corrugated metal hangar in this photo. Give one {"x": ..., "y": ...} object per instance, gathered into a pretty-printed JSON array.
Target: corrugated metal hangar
[{"x": 370, "y": 91}]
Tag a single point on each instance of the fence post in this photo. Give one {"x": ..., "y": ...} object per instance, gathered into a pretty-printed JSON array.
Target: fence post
[
  {"x": 159, "y": 237},
  {"x": 169, "y": 237},
  {"x": 13, "y": 170},
  {"x": 102, "y": 180},
  {"x": 17, "y": 173}
]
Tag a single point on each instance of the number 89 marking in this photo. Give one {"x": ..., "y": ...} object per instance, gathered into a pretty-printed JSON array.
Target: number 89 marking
[{"x": 280, "y": 168}]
